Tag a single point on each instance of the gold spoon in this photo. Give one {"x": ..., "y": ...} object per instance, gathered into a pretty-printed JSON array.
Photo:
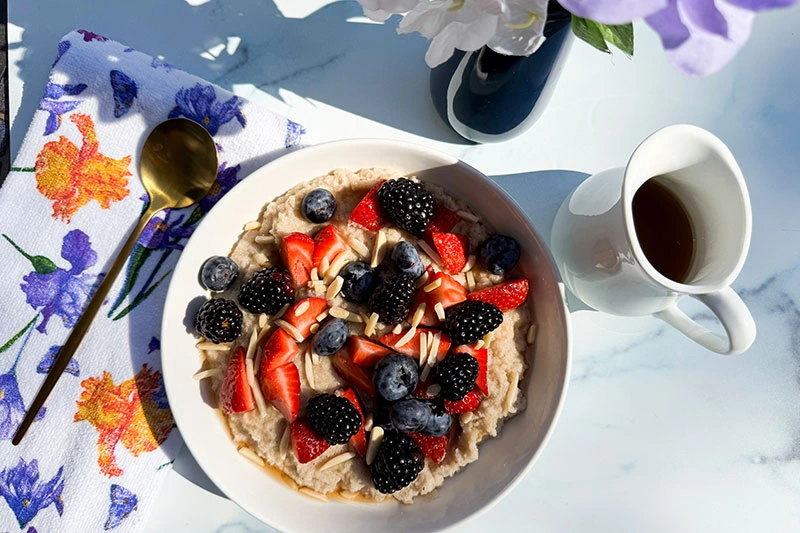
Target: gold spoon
[{"x": 178, "y": 166}]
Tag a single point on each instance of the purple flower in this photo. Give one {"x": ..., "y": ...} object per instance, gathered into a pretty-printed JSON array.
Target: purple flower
[
  {"x": 50, "y": 357},
  {"x": 227, "y": 177},
  {"x": 63, "y": 46},
  {"x": 63, "y": 293},
  {"x": 200, "y": 104},
  {"x": 24, "y": 493},
  {"x": 294, "y": 132},
  {"x": 154, "y": 345},
  {"x": 50, "y": 102},
  {"x": 123, "y": 503},
  {"x": 163, "y": 233},
  {"x": 89, "y": 36},
  {"x": 156, "y": 63},
  {"x": 699, "y": 36},
  {"x": 12, "y": 406}
]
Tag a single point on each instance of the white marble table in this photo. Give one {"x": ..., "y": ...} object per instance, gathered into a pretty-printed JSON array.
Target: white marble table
[{"x": 656, "y": 435}]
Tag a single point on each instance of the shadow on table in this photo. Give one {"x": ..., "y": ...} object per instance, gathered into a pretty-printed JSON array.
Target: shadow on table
[{"x": 365, "y": 69}]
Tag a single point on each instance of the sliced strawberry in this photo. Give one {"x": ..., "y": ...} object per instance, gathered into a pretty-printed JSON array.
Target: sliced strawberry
[
  {"x": 365, "y": 352},
  {"x": 327, "y": 243},
  {"x": 297, "y": 250},
  {"x": 468, "y": 403},
  {"x": 449, "y": 293},
  {"x": 412, "y": 347},
  {"x": 443, "y": 221},
  {"x": 434, "y": 448},
  {"x": 307, "y": 444},
  {"x": 279, "y": 350},
  {"x": 308, "y": 317},
  {"x": 452, "y": 248},
  {"x": 235, "y": 395},
  {"x": 352, "y": 373},
  {"x": 281, "y": 386},
  {"x": 482, "y": 355},
  {"x": 421, "y": 392},
  {"x": 369, "y": 214},
  {"x": 506, "y": 296},
  {"x": 359, "y": 440}
]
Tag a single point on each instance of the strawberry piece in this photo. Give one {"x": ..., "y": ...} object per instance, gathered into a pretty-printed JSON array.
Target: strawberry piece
[
  {"x": 307, "y": 444},
  {"x": 235, "y": 394},
  {"x": 279, "y": 350},
  {"x": 281, "y": 386},
  {"x": 452, "y": 248},
  {"x": 359, "y": 440},
  {"x": 443, "y": 221},
  {"x": 327, "y": 243},
  {"x": 297, "y": 250},
  {"x": 482, "y": 355},
  {"x": 505, "y": 296},
  {"x": 434, "y": 448},
  {"x": 365, "y": 352},
  {"x": 308, "y": 318},
  {"x": 369, "y": 214},
  {"x": 412, "y": 347},
  {"x": 353, "y": 373},
  {"x": 467, "y": 404},
  {"x": 449, "y": 293}
]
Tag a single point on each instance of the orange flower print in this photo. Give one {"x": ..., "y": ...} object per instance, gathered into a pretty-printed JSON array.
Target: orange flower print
[
  {"x": 72, "y": 176},
  {"x": 134, "y": 413}
]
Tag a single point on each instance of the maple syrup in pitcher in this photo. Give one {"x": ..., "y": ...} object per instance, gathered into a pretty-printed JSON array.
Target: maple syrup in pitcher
[{"x": 664, "y": 230}]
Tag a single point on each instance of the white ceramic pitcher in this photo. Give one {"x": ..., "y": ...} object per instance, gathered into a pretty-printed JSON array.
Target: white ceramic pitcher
[{"x": 601, "y": 261}]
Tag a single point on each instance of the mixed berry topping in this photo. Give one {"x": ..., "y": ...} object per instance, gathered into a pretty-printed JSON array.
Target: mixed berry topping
[
  {"x": 360, "y": 281},
  {"x": 499, "y": 254},
  {"x": 407, "y": 260},
  {"x": 334, "y": 418},
  {"x": 219, "y": 320},
  {"x": 330, "y": 337},
  {"x": 218, "y": 273},
  {"x": 407, "y": 204},
  {"x": 267, "y": 291},
  {"x": 456, "y": 375},
  {"x": 396, "y": 376},
  {"x": 392, "y": 299},
  {"x": 469, "y": 321},
  {"x": 319, "y": 205},
  {"x": 398, "y": 462}
]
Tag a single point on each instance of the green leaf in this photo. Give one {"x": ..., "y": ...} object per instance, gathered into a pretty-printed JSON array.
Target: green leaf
[
  {"x": 19, "y": 334},
  {"x": 598, "y": 35},
  {"x": 197, "y": 214},
  {"x": 141, "y": 297},
  {"x": 41, "y": 264},
  {"x": 23, "y": 169}
]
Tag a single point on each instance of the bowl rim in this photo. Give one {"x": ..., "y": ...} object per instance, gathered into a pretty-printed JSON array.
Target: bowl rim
[{"x": 413, "y": 149}]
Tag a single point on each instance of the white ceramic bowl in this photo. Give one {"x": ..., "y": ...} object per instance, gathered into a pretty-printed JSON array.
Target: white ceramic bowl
[{"x": 503, "y": 460}]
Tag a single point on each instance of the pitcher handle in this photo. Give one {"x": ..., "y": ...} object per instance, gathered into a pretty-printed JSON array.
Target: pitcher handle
[{"x": 732, "y": 313}]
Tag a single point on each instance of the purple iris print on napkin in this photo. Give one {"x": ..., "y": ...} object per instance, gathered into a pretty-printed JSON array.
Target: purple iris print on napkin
[
  {"x": 200, "y": 104},
  {"x": 26, "y": 495},
  {"x": 55, "y": 107}
]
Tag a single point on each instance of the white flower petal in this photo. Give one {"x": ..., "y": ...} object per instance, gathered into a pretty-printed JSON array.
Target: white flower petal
[
  {"x": 390, "y": 6},
  {"x": 467, "y": 37},
  {"x": 521, "y": 33}
]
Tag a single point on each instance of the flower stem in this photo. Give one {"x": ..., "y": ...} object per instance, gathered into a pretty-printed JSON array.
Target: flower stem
[
  {"x": 19, "y": 334},
  {"x": 141, "y": 297},
  {"x": 24, "y": 342},
  {"x": 23, "y": 169},
  {"x": 41, "y": 264}
]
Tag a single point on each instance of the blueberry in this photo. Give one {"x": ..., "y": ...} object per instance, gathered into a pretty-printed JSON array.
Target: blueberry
[
  {"x": 218, "y": 273},
  {"x": 439, "y": 423},
  {"x": 406, "y": 257},
  {"x": 396, "y": 376},
  {"x": 330, "y": 337},
  {"x": 360, "y": 281},
  {"x": 319, "y": 205},
  {"x": 499, "y": 254},
  {"x": 411, "y": 415}
]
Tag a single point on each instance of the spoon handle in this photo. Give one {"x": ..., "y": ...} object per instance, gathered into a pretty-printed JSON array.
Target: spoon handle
[{"x": 76, "y": 336}]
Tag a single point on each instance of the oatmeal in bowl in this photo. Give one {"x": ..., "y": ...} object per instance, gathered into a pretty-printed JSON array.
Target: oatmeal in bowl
[{"x": 368, "y": 332}]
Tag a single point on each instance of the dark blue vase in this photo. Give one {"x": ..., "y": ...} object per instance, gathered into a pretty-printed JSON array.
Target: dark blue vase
[{"x": 489, "y": 97}]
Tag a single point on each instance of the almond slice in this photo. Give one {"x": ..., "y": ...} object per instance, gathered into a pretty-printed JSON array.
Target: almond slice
[
  {"x": 207, "y": 373},
  {"x": 432, "y": 285},
  {"x": 335, "y": 268},
  {"x": 322, "y": 315},
  {"x": 315, "y": 358},
  {"x": 260, "y": 259},
  {"x": 531, "y": 336},
  {"x": 314, "y": 274},
  {"x": 309, "y": 368},
  {"x": 251, "y": 455},
  {"x": 211, "y": 347},
  {"x": 290, "y": 329},
  {"x": 469, "y": 264},
  {"x": 302, "y": 308},
  {"x": 433, "y": 390},
  {"x": 263, "y": 332},
  {"x": 426, "y": 370},
  {"x": 285, "y": 439},
  {"x": 433, "y": 351},
  {"x": 280, "y": 312},
  {"x": 292, "y": 484},
  {"x": 479, "y": 344},
  {"x": 418, "y": 314},
  {"x": 368, "y": 421},
  {"x": 423, "y": 348},
  {"x": 397, "y": 329},
  {"x": 439, "y": 308},
  {"x": 378, "y": 249},
  {"x": 335, "y": 287},
  {"x": 423, "y": 279},
  {"x": 358, "y": 247},
  {"x": 324, "y": 265},
  {"x": 511, "y": 393},
  {"x": 372, "y": 322},
  {"x": 339, "y": 312},
  {"x": 253, "y": 224},
  {"x": 406, "y": 338},
  {"x": 430, "y": 252},
  {"x": 313, "y": 494},
  {"x": 262, "y": 320},
  {"x": 466, "y": 215},
  {"x": 375, "y": 439},
  {"x": 470, "y": 281},
  {"x": 336, "y": 460},
  {"x": 313, "y": 328},
  {"x": 251, "y": 346},
  {"x": 466, "y": 418},
  {"x": 265, "y": 239},
  {"x": 251, "y": 380}
]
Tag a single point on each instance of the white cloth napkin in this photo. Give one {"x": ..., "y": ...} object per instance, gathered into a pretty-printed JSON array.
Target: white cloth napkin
[{"x": 98, "y": 454}]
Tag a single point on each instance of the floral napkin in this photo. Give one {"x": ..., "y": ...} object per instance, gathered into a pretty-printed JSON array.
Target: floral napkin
[{"x": 101, "y": 447}]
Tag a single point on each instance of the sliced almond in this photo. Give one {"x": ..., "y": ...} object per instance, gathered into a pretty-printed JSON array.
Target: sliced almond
[
  {"x": 251, "y": 346},
  {"x": 466, "y": 418},
  {"x": 470, "y": 281},
  {"x": 317, "y": 286},
  {"x": 334, "y": 288},
  {"x": 290, "y": 329},
  {"x": 466, "y": 215},
  {"x": 314, "y": 328},
  {"x": 439, "y": 308},
  {"x": 423, "y": 279},
  {"x": 479, "y": 344},
  {"x": 285, "y": 439},
  {"x": 339, "y": 312},
  {"x": 309, "y": 367},
  {"x": 324, "y": 265},
  {"x": 337, "y": 460},
  {"x": 433, "y": 390},
  {"x": 322, "y": 316},
  {"x": 358, "y": 247},
  {"x": 314, "y": 274},
  {"x": 433, "y": 285},
  {"x": 260, "y": 259},
  {"x": 335, "y": 268},
  {"x": 265, "y": 239},
  {"x": 430, "y": 252},
  {"x": 368, "y": 422},
  {"x": 375, "y": 439},
  {"x": 207, "y": 373},
  {"x": 348, "y": 495},
  {"x": 253, "y": 224},
  {"x": 313, "y": 494},
  {"x": 423, "y": 348},
  {"x": 315, "y": 358},
  {"x": 426, "y": 370},
  {"x": 531, "y": 336},
  {"x": 251, "y": 455},
  {"x": 406, "y": 338},
  {"x": 262, "y": 320},
  {"x": 302, "y": 308},
  {"x": 511, "y": 393},
  {"x": 280, "y": 312},
  {"x": 397, "y": 329},
  {"x": 355, "y": 317},
  {"x": 372, "y": 322},
  {"x": 418, "y": 314},
  {"x": 292, "y": 484},
  {"x": 433, "y": 352},
  {"x": 378, "y": 249},
  {"x": 211, "y": 347},
  {"x": 469, "y": 264},
  {"x": 251, "y": 380},
  {"x": 263, "y": 332}
]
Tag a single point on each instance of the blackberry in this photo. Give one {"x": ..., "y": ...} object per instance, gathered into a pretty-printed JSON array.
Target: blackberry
[
  {"x": 333, "y": 417},
  {"x": 219, "y": 320},
  {"x": 469, "y": 321},
  {"x": 398, "y": 462},
  {"x": 392, "y": 299},
  {"x": 407, "y": 203},
  {"x": 456, "y": 375},
  {"x": 267, "y": 291}
]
